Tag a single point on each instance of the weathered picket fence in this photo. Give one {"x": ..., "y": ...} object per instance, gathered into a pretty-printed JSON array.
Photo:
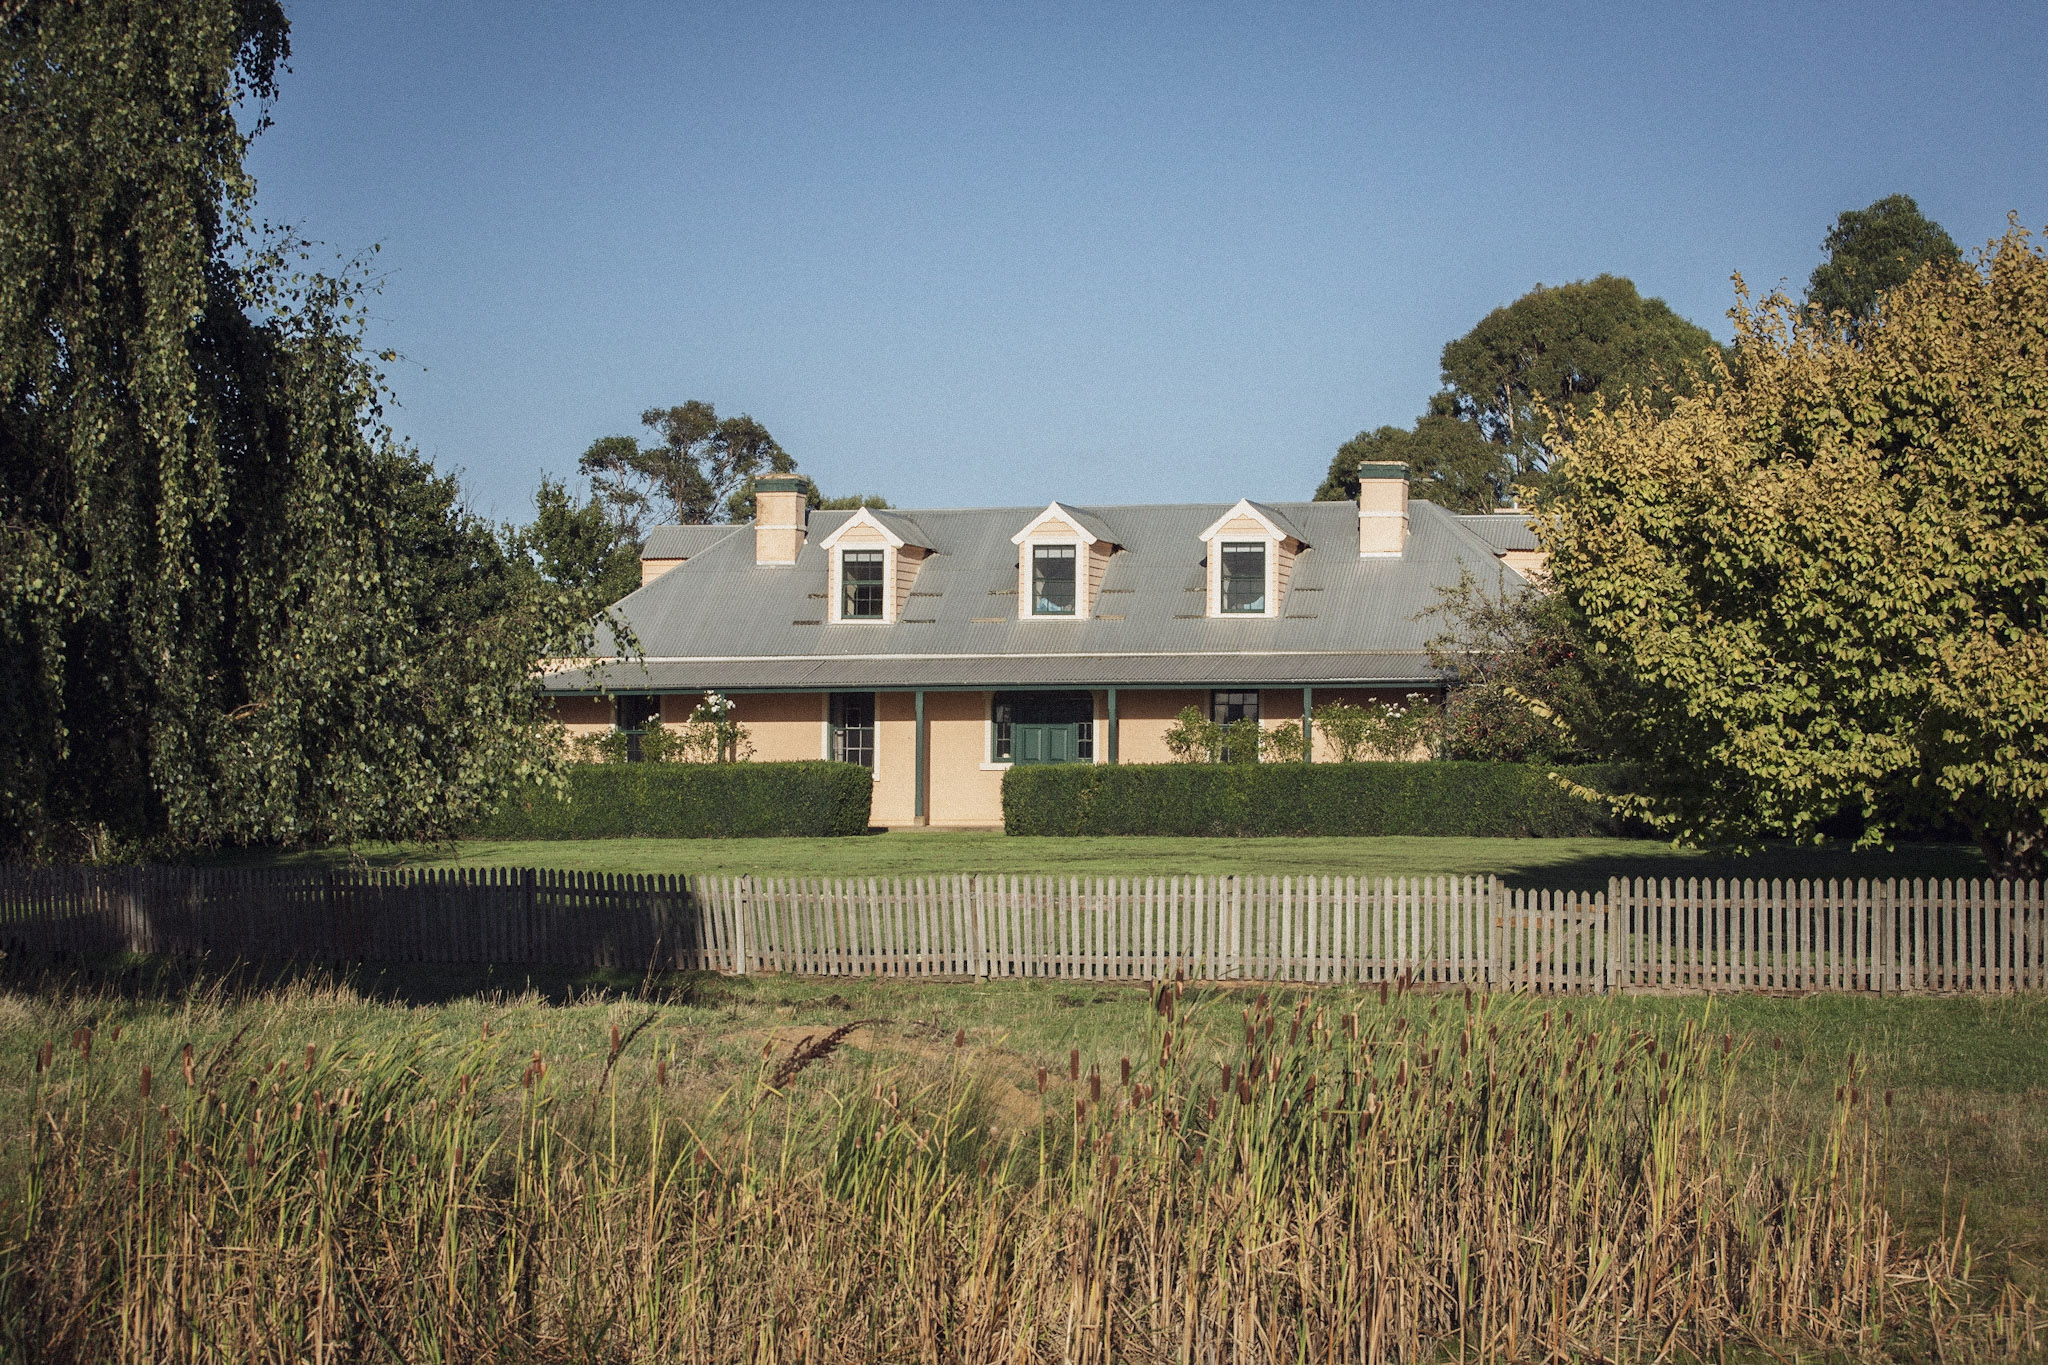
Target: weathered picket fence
[{"x": 1862, "y": 936}]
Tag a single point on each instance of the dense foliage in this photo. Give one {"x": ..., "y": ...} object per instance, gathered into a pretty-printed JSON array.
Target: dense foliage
[
  {"x": 1246, "y": 800},
  {"x": 1874, "y": 250},
  {"x": 1823, "y": 581},
  {"x": 689, "y": 801},
  {"x": 1449, "y": 461},
  {"x": 1553, "y": 354},
  {"x": 232, "y": 609},
  {"x": 1522, "y": 684}
]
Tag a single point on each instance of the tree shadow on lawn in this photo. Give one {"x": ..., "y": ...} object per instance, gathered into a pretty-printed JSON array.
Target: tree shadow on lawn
[
  {"x": 140, "y": 980},
  {"x": 1789, "y": 862}
]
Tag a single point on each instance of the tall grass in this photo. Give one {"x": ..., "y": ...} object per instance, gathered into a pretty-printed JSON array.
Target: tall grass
[{"x": 1484, "y": 1177}]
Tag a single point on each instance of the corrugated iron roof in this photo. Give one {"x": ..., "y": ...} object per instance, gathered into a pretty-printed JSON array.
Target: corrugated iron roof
[
  {"x": 722, "y": 621},
  {"x": 682, "y": 542},
  {"x": 1502, "y": 530}
]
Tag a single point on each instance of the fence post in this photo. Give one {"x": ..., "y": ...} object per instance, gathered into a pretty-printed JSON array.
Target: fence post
[
  {"x": 1616, "y": 937},
  {"x": 742, "y": 906},
  {"x": 1496, "y": 924},
  {"x": 977, "y": 928}
]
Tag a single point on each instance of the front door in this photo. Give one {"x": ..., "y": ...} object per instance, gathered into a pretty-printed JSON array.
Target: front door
[{"x": 1043, "y": 743}]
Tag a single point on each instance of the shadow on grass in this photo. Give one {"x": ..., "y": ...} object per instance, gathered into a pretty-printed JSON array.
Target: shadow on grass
[
  {"x": 1790, "y": 862},
  {"x": 139, "y": 980}
]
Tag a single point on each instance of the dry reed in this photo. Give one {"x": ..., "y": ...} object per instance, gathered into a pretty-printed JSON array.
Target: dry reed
[{"x": 1488, "y": 1179}]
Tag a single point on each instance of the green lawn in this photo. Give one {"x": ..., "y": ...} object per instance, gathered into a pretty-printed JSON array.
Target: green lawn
[{"x": 1581, "y": 863}]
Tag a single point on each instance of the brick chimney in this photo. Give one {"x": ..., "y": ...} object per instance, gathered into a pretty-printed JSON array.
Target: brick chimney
[
  {"x": 1382, "y": 509},
  {"x": 779, "y": 516}
]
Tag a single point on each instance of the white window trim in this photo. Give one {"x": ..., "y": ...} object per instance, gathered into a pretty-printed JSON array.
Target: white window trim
[
  {"x": 1026, "y": 602},
  {"x": 1216, "y": 578},
  {"x": 888, "y": 616},
  {"x": 1081, "y": 538}
]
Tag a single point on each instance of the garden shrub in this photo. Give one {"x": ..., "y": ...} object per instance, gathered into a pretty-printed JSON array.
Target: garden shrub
[
  {"x": 1510, "y": 800},
  {"x": 690, "y": 801}
]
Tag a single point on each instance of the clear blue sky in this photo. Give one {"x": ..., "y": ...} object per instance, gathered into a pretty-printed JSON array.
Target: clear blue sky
[{"x": 975, "y": 254}]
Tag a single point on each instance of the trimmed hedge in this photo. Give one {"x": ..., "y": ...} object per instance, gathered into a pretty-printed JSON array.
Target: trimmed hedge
[
  {"x": 1496, "y": 800},
  {"x": 690, "y": 801}
]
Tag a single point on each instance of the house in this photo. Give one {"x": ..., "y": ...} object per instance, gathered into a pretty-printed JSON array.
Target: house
[{"x": 940, "y": 647}]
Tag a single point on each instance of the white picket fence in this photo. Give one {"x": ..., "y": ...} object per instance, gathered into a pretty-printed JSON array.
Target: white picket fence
[{"x": 1441, "y": 931}]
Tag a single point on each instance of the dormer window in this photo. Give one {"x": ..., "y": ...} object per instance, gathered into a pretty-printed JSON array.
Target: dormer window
[
  {"x": 1062, "y": 554},
  {"x": 875, "y": 558},
  {"x": 860, "y": 581},
  {"x": 1244, "y": 577},
  {"x": 1250, "y": 554},
  {"x": 1052, "y": 580}
]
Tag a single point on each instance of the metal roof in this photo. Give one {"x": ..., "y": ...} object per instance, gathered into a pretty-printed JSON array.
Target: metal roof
[
  {"x": 1502, "y": 530},
  {"x": 720, "y": 621},
  {"x": 682, "y": 542}
]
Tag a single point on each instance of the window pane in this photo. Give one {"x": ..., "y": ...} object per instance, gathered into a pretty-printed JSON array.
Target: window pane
[
  {"x": 853, "y": 728},
  {"x": 1052, "y": 580},
  {"x": 860, "y": 580},
  {"x": 1225, "y": 707},
  {"x": 1001, "y": 748},
  {"x": 633, "y": 712},
  {"x": 1244, "y": 578}
]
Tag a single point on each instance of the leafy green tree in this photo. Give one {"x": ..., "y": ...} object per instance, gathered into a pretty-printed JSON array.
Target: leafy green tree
[
  {"x": 697, "y": 471},
  {"x": 1873, "y": 250},
  {"x": 1823, "y": 581},
  {"x": 232, "y": 608},
  {"x": 1553, "y": 354},
  {"x": 1449, "y": 461},
  {"x": 578, "y": 546},
  {"x": 1522, "y": 686}
]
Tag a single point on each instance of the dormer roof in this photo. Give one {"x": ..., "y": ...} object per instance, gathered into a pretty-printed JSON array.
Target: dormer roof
[
  {"x": 1091, "y": 527},
  {"x": 896, "y": 528},
  {"x": 1273, "y": 519}
]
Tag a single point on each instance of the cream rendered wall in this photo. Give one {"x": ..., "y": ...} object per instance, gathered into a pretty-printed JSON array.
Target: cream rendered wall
[
  {"x": 584, "y": 715},
  {"x": 895, "y": 758},
  {"x": 1143, "y": 718},
  {"x": 651, "y": 569},
  {"x": 965, "y": 788},
  {"x": 784, "y": 727}
]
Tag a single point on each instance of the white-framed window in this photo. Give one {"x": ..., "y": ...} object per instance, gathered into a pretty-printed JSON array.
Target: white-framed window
[
  {"x": 1248, "y": 555},
  {"x": 1054, "y": 581}
]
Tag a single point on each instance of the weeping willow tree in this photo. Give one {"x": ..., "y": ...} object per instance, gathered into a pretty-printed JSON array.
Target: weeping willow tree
[{"x": 233, "y": 609}]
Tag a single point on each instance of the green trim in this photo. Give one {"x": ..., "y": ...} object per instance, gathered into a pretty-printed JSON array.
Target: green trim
[
  {"x": 1382, "y": 469},
  {"x": 1110, "y": 721},
  {"x": 917, "y": 810}
]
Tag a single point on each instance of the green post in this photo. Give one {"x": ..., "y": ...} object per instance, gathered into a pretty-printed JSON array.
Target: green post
[
  {"x": 1112, "y": 725},
  {"x": 918, "y": 812},
  {"x": 1308, "y": 734}
]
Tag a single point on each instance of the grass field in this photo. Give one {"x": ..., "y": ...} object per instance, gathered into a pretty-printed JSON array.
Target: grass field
[
  {"x": 1571, "y": 863},
  {"x": 1954, "y": 1090}
]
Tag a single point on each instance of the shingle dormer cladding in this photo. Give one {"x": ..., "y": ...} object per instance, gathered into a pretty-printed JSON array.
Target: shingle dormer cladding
[{"x": 721, "y": 621}]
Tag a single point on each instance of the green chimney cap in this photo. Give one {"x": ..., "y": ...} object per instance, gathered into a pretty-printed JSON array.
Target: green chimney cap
[
  {"x": 779, "y": 483},
  {"x": 1383, "y": 469}
]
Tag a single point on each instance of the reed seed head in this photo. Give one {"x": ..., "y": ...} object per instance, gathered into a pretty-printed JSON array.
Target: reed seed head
[
  {"x": 960, "y": 1039},
  {"x": 186, "y": 1058},
  {"x": 309, "y": 1054},
  {"x": 1125, "y": 1063},
  {"x": 1074, "y": 1064},
  {"x": 145, "y": 1083}
]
